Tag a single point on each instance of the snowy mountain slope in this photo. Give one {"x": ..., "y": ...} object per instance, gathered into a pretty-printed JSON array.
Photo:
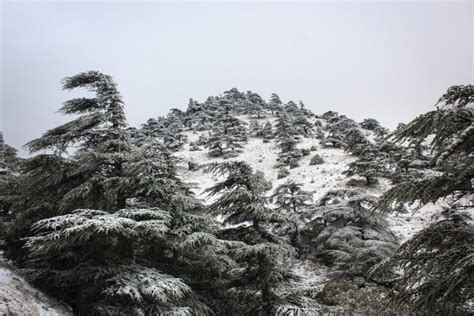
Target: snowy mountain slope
[{"x": 317, "y": 179}]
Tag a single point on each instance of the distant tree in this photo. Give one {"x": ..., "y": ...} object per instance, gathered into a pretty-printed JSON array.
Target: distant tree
[
  {"x": 371, "y": 165},
  {"x": 353, "y": 137},
  {"x": 109, "y": 279},
  {"x": 284, "y": 126},
  {"x": 301, "y": 124},
  {"x": 267, "y": 131},
  {"x": 334, "y": 139},
  {"x": 255, "y": 129},
  {"x": 370, "y": 124},
  {"x": 275, "y": 104}
]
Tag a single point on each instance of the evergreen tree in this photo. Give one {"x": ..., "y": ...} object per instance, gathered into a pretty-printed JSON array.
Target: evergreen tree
[
  {"x": 262, "y": 287},
  {"x": 435, "y": 268},
  {"x": 255, "y": 129},
  {"x": 267, "y": 131},
  {"x": 275, "y": 104},
  {"x": 91, "y": 256},
  {"x": 301, "y": 124},
  {"x": 370, "y": 124},
  {"x": 133, "y": 255},
  {"x": 353, "y": 137},
  {"x": 290, "y": 198},
  {"x": 100, "y": 134},
  {"x": 371, "y": 165},
  {"x": 346, "y": 234}
]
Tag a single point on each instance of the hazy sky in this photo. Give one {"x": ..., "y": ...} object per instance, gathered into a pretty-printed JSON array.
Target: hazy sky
[{"x": 376, "y": 59}]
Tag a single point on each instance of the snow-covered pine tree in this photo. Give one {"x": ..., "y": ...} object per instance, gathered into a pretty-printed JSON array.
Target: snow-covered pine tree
[
  {"x": 262, "y": 287},
  {"x": 436, "y": 267},
  {"x": 291, "y": 199},
  {"x": 275, "y": 105},
  {"x": 254, "y": 110},
  {"x": 255, "y": 130},
  {"x": 284, "y": 126},
  {"x": 291, "y": 108},
  {"x": 371, "y": 165},
  {"x": 267, "y": 131},
  {"x": 335, "y": 139},
  {"x": 370, "y": 124},
  {"x": 353, "y": 137},
  {"x": 101, "y": 137},
  {"x": 301, "y": 123},
  {"x": 255, "y": 98},
  {"x": 111, "y": 261},
  {"x": 346, "y": 234},
  {"x": 10, "y": 165},
  {"x": 91, "y": 259},
  {"x": 226, "y": 136}
]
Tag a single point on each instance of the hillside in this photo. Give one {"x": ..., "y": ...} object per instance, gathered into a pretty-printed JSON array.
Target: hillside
[{"x": 243, "y": 206}]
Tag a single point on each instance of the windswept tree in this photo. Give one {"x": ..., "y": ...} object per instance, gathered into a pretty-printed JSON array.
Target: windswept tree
[{"x": 100, "y": 137}]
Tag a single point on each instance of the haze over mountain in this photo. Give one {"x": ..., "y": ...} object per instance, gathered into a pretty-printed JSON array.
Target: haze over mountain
[{"x": 384, "y": 59}]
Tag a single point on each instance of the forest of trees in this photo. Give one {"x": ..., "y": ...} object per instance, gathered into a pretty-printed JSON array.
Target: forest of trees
[{"x": 99, "y": 216}]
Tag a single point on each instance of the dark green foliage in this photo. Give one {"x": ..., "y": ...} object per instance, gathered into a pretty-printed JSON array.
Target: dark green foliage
[
  {"x": 92, "y": 256},
  {"x": 290, "y": 198},
  {"x": 227, "y": 136},
  {"x": 316, "y": 160},
  {"x": 267, "y": 131},
  {"x": 334, "y": 139},
  {"x": 346, "y": 234},
  {"x": 436, "y": 268},
  {"x": 282, "y": 173},
  {"x": 137, "y": 230},
  {"x": 453, "y": 127},
  {"x": 275, "y": 104},
  {"x": 371, "y": 165},
  {"x": 262, "y": 288},
  {"x": 370, "y": 124},
  {"x": 437, "y": 263}
]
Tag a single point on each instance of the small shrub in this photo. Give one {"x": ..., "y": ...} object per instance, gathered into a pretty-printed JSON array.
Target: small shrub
[
  {"x": 305, "y": 152},
  {"x": 316, "y": 160},
  {"x": 283, "y": 172},
  {"x": 294, "y": 164}
]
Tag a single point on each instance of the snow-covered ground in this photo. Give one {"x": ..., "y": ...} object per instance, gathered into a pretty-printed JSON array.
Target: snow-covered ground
[
  {"x": 317, "y": 179},
  {"x": 19, "y": 298}
]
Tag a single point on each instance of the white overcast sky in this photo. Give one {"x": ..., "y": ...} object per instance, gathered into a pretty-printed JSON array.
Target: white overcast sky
[{"x": 387, "y": 60}]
